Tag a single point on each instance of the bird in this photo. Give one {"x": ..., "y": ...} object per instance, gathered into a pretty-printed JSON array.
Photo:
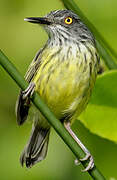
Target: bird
[{"x": 63, "y": 73}]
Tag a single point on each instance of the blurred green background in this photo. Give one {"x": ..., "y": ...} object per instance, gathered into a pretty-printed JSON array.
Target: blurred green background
[{"x": 20, "y": 41}]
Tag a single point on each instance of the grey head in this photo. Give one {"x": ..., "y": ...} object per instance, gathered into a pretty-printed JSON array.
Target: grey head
[{"x": 64, "y": 25}]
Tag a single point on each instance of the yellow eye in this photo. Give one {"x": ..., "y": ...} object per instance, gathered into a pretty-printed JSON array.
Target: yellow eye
[{"x": 68, "y": 20}]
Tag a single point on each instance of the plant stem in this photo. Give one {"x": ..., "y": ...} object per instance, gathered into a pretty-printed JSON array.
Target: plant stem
[
  {"x": 57, "y": 125},
  {"x": 102, "y": 44}
]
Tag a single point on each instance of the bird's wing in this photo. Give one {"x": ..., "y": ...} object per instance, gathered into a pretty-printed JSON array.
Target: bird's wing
[
  {"x": 23, "y": 105},
  {"x": 33, "y": 67}
]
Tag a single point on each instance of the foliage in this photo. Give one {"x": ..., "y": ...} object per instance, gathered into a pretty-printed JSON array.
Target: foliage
[
  {"x": 101, "y": 114},
  {"x": 20, "y": 41}
]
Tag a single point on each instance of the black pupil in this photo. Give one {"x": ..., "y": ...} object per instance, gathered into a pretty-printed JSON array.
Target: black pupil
[{"x": 68, "y": 20}]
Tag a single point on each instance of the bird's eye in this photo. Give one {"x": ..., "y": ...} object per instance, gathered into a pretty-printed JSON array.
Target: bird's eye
[{"x": 68, "y": 20}]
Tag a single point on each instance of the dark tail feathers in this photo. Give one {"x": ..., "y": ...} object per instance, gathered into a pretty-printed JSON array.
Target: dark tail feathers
[{"x": 36, "y": 149}]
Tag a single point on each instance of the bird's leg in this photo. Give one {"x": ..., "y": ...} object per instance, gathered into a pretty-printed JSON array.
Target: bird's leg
[
  {"x": 28, "y": 92},
  {"x": 88, "y": 155}
]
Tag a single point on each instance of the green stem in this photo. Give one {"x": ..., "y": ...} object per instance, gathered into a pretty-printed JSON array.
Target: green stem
[
  {"x": 57, "y": 125},
  {"x": 102, "y": 44}
]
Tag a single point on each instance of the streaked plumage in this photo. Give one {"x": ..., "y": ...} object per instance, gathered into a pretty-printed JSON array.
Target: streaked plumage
[{"x": 64, "y": 73}]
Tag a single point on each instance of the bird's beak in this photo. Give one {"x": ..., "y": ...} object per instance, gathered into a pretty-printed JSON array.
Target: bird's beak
[{"x": 38, "y": 20}]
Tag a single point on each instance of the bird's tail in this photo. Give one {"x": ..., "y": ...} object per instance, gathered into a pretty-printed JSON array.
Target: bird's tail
[{"x": 36, "y": 149}]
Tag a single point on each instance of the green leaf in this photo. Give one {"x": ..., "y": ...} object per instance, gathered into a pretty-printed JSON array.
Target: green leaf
[{"x": 100, "y": 116}]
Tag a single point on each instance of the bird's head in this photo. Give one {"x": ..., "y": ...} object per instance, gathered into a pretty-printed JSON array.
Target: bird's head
[{"x": 63, "y": 24}]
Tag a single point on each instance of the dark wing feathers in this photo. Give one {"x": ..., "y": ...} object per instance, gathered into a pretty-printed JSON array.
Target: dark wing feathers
[
  {"x": 22, "y": 108},
  {"x": 22, "y": 105}
]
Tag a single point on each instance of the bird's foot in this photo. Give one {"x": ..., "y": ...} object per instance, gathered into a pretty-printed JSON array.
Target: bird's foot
[
  {"x": 28, "y": 92},
  {"x": 87, "y": 157},
  {"x": 91, "y": 162},
  {"x": 77, "y": 162}
]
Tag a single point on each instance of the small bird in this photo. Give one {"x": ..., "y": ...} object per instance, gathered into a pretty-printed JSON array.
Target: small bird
[{"x": 63, "y": 73}]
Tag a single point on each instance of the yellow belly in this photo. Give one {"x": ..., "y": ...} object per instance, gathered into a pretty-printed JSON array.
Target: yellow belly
[{"x": 65, "y": 85}]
